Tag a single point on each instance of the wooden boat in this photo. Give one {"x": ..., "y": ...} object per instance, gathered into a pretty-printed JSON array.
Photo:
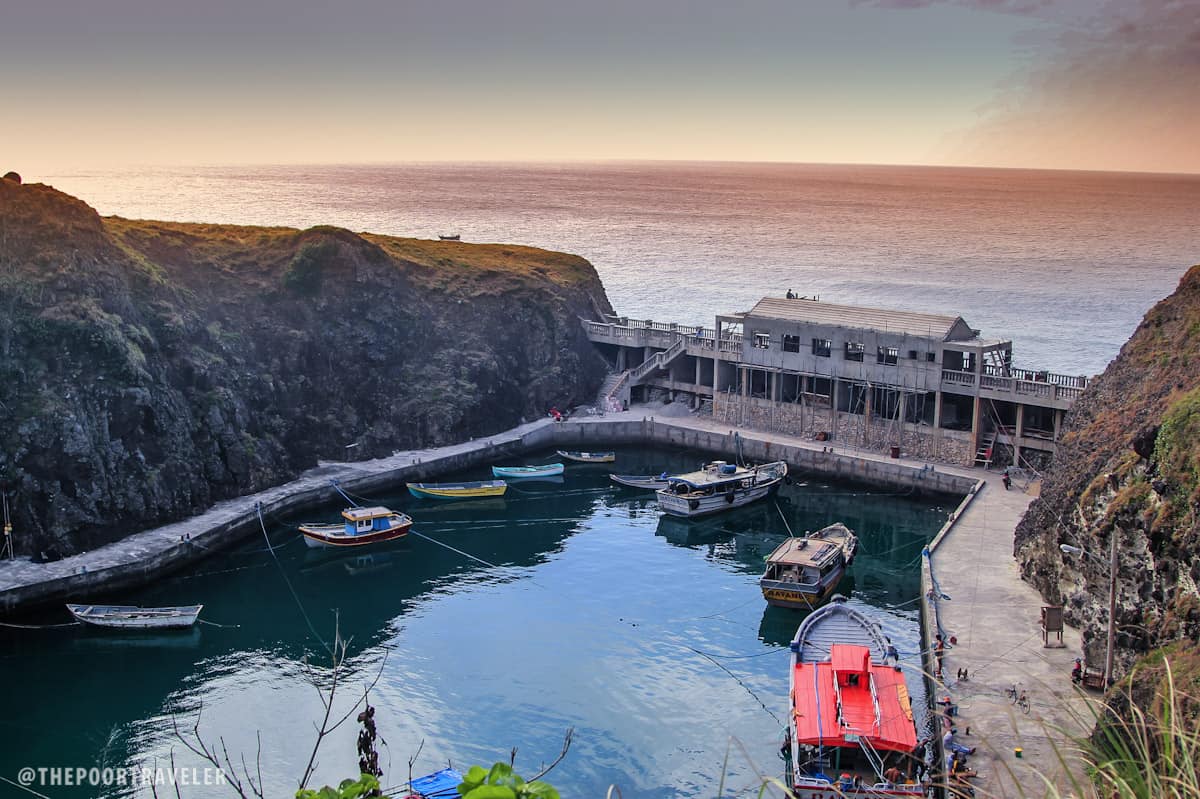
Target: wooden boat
[
  {"x": 588, "y": 457},
  {"x": 449, "y": 236},
  {"x": 548, "y": 470},
  {"x": 719, "y": 486},
  {"x": 851, "y": 717},
  {"x": 649, "y": 482},
  {"x": 483, "y": 488},
  {"x": 803, "y": 572},
  {"x": 361, "y": 526},
  {"x": 129, "y": 617}
]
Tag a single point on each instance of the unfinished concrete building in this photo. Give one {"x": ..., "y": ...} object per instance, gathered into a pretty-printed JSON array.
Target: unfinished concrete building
[{"x": 924, "y": 385}]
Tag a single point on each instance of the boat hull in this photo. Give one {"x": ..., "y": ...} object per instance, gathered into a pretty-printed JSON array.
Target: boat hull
[
  {"x": 589, "y": 457},
  {"x": 692, "y": 507},
  {"x": 646, "y": 482},
  {"x": 322, "y": 535},
  {"x": 445, "y": 491},
  {"x": 518, "y": 472},
  {"x": 127, "y": 617},
  {"x": 804, "y": 596}
]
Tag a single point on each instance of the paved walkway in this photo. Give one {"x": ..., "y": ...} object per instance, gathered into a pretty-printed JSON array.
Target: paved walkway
[{"x": 995, "y": 617}]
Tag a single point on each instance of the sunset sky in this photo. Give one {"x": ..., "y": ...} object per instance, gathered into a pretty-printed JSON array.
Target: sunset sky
[{"x": 1037, "y": 83}]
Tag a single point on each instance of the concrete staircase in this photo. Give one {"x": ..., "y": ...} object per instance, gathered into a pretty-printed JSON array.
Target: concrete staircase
[
  {"x": 659, "y": 360},
  {"x": 612, "y": 388}
]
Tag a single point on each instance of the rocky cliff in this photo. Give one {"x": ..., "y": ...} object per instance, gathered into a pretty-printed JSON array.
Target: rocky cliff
[
  {"x": 148, "y": 369},
  {"x": 1128, "y": 468}
]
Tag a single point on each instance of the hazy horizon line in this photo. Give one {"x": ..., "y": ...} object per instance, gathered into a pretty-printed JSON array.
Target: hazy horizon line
[{"x": 594, "y": 162}]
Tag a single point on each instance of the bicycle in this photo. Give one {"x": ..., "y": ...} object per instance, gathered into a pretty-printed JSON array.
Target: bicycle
[{"x": 1022, "y": 702}]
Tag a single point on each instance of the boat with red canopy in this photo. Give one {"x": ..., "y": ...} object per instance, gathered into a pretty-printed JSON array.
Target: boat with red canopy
[{"x": 852, "y": 731}]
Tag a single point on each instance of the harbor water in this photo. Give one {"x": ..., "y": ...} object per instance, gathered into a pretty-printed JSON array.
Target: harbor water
[{"x": 645, "y": 635}]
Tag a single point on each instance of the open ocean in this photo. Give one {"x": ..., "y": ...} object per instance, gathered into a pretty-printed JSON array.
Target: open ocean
[{"x": 1063, "y": 263}]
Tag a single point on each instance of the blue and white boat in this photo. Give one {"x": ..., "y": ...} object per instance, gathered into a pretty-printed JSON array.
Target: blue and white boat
[{"x": 547, "y": 470}]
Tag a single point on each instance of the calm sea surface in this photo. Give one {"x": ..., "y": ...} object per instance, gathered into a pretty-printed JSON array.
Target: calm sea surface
[
  {"x": 1063, "y": 263},
  {"x": 647, "y": 636}
]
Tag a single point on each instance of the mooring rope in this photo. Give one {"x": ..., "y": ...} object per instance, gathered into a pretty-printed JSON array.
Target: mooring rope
[
  {"x": 452, "y": 549},
  {"x": 283, "y": 574},
  {"x": 738, "y": 680},
  {"x": 222, "y": 626},
  {"x": 38, "y": 626}
]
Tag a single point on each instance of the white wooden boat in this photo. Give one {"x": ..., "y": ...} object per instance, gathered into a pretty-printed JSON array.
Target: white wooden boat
[
  {"x": 719, "y": 486},
  {"x": 803, "y": 572},
  {"x": 547, "y": 470},
  {"x": 360, "y": 526},
  {"x": 130, "y": 617},
  {"x": 649, "y": 482},
  {"x": 588, "y": 457}
]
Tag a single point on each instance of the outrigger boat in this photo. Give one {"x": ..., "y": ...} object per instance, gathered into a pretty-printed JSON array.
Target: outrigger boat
[
  {"x": 851, "y": 718},
  {"x": 548, "y": 470},
  {"x": 719, "y": 486},
  {"x": 647, "y": 481},
  {"x": 484, "y": 488},
  {"x": 802, "y": 572},
  {"x": 129, "y": 617},
  {"x": 362, "y": 526},
  {"x": 588, "y": 457}
]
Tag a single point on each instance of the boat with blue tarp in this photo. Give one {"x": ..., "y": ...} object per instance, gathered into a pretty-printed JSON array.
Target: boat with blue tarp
[
  {"x": 719, "y": 486},
  {"x": 472, "y": 490}
]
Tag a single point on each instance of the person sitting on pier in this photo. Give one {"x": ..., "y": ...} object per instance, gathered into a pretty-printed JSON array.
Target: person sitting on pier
[
  {"x": 952, "y": 746},
  {"x": 790, "y": 294}
]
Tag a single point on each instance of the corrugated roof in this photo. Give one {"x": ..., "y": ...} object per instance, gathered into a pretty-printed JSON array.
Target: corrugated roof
[{"x": 853, "y": 316}]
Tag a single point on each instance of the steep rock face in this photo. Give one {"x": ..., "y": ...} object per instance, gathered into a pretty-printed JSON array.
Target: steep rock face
[
  {"x": 148, "y": 369},
  {"x": 1128, "y": 467}
]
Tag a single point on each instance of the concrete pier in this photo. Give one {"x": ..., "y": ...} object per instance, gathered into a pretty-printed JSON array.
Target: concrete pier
[
  {"x": 971, "y": 588},
  {"x": 995, "y": 618}
]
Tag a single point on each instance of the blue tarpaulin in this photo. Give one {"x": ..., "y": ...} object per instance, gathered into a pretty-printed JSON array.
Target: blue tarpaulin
[{"x": 438, "y": 784}]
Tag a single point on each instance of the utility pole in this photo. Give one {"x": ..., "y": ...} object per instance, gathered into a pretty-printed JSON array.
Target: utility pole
[{"x": 1112, "y": 611}]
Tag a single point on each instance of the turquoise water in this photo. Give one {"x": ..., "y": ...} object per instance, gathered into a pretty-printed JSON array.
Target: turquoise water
[{"x": 645, "y": 635}]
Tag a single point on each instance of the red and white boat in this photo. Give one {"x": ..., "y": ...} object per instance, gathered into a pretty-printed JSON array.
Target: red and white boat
[
  {"x": 361, "y": 526},
  {"x": 851, "y": 732}
]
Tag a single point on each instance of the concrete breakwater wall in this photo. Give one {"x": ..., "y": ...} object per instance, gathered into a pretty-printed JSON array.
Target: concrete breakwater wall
[{"x": 146, "y": 556}]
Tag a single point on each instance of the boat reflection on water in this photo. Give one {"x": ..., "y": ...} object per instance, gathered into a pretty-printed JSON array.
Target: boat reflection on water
[
  {"x": 329, "y": 562},
  {"x": 533, "y": 485},
  {"x": 778, "y": 625},
  {"x": 467, "y": 509},
  {"x": 687, "y": 533},
  {"x": 89, "y": 638}
]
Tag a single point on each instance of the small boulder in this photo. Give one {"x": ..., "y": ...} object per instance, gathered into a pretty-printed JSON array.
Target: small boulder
[{"x": 1143, "y": 442}]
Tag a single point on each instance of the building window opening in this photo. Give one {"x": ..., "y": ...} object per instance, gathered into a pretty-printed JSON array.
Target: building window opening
[
  {"x": 889, "y": 355},
  {"x": 762, "y": 340},
  {"x": 791, "y": 343},
  {"x": 854, "y": 350},
  {"x": 822, "y": 347}
]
